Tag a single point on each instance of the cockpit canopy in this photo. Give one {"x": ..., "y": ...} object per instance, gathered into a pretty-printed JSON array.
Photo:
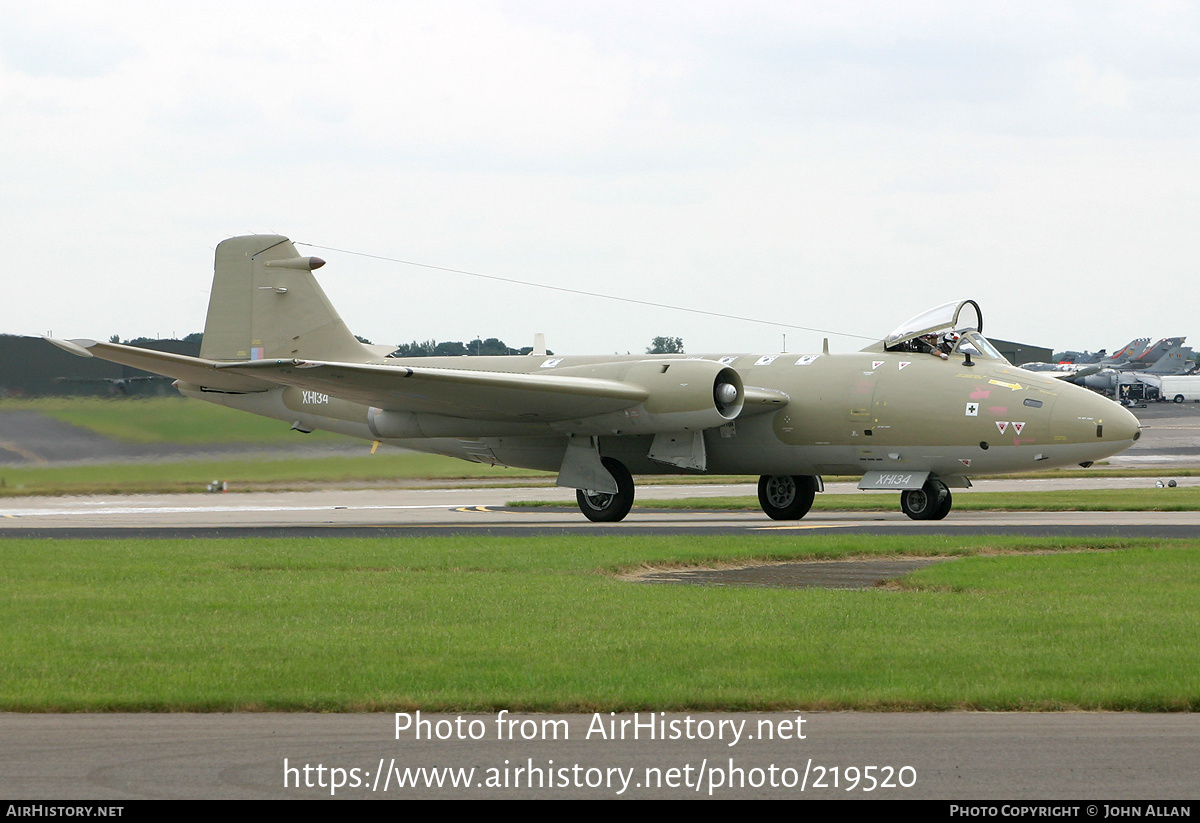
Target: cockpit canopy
[
  {"x": 952, "y": 327},
  {"x": 939, "y": 319}
]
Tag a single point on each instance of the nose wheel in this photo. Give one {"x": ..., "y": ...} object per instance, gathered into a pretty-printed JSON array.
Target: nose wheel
[{"x": 930, "y": 502}]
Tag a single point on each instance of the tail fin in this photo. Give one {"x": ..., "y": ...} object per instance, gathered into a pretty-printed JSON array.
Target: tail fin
[
  {"x": 1129, "y": 351},
  {"x": 265, "y": 303},
  {"x": 1176, "y": 361},
  {"x": 1152, "y": 354}
]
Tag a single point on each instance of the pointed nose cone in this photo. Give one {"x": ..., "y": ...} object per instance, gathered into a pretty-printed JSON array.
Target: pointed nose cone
[
  {"x": 1116, "y": 428},
  {"x": 1093, "y": 426},
  {"x": 1120, "y": 425}
]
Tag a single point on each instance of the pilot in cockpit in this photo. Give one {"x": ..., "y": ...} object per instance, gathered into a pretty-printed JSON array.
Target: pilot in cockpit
[
  {"x": 947, "y": 342},
  {"x": 935, "y": 344}
]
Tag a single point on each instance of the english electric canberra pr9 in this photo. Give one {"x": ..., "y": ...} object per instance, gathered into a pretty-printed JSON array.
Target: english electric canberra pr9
[{"x": 917, "y": 412}]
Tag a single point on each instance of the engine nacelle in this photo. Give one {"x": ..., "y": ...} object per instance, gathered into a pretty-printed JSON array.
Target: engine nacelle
[{"x": 684, "y": 395}]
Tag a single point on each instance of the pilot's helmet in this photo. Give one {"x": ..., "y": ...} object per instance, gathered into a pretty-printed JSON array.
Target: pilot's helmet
[{"x": 950, "y": 340}]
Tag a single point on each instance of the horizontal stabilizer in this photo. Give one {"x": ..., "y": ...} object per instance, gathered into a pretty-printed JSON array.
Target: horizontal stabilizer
[{"x": 179, "y": 366}]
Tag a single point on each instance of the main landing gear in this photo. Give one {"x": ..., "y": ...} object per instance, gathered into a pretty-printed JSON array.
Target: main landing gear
[
  {"x": 786, "y": 497},
  {"x": 608, "y": 508},
  {"x": 930, "y": 502}
]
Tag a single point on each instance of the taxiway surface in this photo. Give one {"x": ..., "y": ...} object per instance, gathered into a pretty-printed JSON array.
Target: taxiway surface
[{"x": 400, "y": 512}]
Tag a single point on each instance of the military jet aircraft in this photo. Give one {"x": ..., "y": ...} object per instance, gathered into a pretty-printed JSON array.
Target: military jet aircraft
[
  {"x": 917, "y": 412},
  {"x": 1134, "y": 348},
  {"x": 1177, "y": 360}
]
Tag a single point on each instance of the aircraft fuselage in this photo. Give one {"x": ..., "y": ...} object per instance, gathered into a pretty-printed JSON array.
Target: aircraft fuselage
[{"x": 843, "y": 414}]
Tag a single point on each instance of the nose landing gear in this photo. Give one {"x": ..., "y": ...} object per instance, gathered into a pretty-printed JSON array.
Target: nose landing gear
[{"x": 930, "y": 502}]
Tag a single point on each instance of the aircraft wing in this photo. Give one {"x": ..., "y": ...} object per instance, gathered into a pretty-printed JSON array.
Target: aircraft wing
[
  {"x": 479, "y": 395},
  {"x": 465, "y": 393}
]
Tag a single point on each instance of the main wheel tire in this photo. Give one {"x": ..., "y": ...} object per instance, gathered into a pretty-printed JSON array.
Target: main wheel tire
[
  {"x": 786, "y": 497},
  {"x": 603, "y": 507},
  {"x": 943, "y": 508},
  {"x": 930, "y": 502}
]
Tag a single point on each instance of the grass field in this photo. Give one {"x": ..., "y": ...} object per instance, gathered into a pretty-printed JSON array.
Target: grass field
[
  {"x": 163, "y": 420},
  {"x": 248, "y": 474},
  {"x": 545, "y": 625}
]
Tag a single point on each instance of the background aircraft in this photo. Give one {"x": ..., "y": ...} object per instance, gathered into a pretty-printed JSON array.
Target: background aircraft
[
  {"x": 1151, "y": 355},
  {"x": 1101, "y": 358},
  {"x": 1063, "y": 371},
  {"x": 1178, "y": 360},
  {"x": 916, "y": 412}
]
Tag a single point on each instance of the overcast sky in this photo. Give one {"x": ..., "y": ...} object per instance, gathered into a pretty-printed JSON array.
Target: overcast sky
[{"x": 833, "y": 165}]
